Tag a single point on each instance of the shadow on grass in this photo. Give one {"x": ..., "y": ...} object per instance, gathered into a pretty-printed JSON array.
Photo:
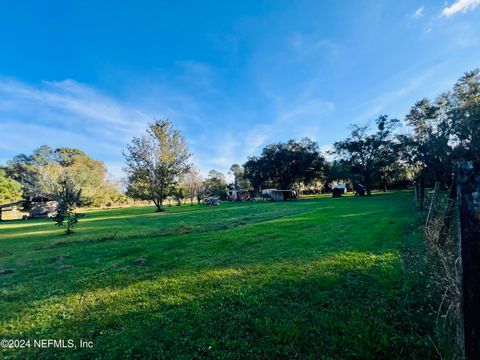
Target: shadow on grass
[
  {"x": 349, "y": 305},
  {"x": 294, "y": 280}
]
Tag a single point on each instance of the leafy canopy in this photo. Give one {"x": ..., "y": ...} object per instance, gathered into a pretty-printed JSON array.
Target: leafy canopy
[
  {"x": 282, "y": 165},
  {"x": 156, "y": 162}
]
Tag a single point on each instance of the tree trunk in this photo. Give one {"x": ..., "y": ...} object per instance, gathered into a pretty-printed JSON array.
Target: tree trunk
[
  {"x": 436, "y": 190},
  {"x": 68, "y": 231},
  {"x": 367, "y": 185},
  {"x": 384, "y": 183},
  {"x": 159, "y": 203}
]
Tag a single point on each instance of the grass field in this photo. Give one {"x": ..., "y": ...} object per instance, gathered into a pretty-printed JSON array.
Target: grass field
[{"x": 314, "y": 278}]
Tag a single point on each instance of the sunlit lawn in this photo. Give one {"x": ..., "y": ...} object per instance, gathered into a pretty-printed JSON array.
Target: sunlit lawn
[{"x": 313, "y": 278}]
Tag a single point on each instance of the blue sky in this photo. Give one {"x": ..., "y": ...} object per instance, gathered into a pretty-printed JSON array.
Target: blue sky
[{"x": 232, "y": 76}]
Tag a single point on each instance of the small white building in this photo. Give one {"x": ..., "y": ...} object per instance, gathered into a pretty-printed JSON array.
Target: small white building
[
  {"x": 267, "y": 193},
  {"x": 341, "y": 187}
]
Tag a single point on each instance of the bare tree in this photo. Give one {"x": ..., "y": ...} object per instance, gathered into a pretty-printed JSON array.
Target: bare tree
[{"x": 193, "y": 183}]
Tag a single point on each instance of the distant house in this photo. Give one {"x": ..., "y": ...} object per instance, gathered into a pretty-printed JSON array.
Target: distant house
[{"x": 279, "y": 195}]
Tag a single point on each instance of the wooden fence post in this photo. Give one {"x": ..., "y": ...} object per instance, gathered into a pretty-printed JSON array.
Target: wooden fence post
[{"x": 468, "y": 195}]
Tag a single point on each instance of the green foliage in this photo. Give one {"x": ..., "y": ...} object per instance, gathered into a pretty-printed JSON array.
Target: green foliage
[
  {"x": 32, "y": 170},
  {"x": 67, "y": 218},
  {"x": 215, "y": 184},
  {"x": 373, "y": 156},
  {"x": 445, "y": 131},
  {"x": 282, "y": 165},
  {"x": 179, "y": 193},
  {"x": 339, "y": 170},
  {"x": 427, "y": 148},
  {"x": 108, "y": 195},
  {"x": 68, "y": 196},
  {"x": 10, "y": 190},
  {"x": 156, "y": 163},
  {"x": 239, "y": 182},
  {"x": 311, "y": 279},
  {"x": 465, "y": 115}
]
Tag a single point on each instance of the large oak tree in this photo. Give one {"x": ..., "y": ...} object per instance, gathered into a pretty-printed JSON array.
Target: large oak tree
[{"x": 284, "y": 164}]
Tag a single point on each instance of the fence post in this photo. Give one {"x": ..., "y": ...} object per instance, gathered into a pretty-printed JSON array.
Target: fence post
[{"x": 468, "y": 195}]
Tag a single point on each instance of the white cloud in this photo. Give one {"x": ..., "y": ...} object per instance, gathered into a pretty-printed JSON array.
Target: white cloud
[
  {"x": 292, "y": 120},
  {"x": 418, "y": 13},
  {"x": 71, "y": 105},
  {"x": 389, "y": 98},
  {"x": 69, "y": 113},
  {"x": 460, "y": 6},
  {"x": 65, "y": 113}
]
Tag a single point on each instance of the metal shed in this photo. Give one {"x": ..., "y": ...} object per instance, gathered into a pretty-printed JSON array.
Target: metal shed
[{"x": 283, "y": 195}]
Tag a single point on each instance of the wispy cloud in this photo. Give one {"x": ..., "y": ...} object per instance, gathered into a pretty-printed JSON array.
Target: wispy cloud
[
  {"x": 68, "y": 105},
  {"x": 419, "y": 13},
  {"x": 399, "y": 94},
  {"x": 294, "y": 119},
  {"x": 65, "y": 113},
  {"x": 460, "y": 6},
  {"x": 70, "y": 113}
]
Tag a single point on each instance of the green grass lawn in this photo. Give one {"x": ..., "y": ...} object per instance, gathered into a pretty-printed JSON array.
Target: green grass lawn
[{"x": 314, "y": 278}]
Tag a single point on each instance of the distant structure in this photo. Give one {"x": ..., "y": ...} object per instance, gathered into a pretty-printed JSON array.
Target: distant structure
[
  {"x": 279, "y": 195},
  {"x": 36, "y": 206},
  {"x": 338, "y": 190},
  {"x": 9, "y": 207},
  {"x": 359, "y": 190},
  {"x": 240, "y": 195},
  {"x": 342, "y": 187}
]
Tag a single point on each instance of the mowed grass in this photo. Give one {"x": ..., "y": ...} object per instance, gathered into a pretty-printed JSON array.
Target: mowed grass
[{"x": 313, "y": 278}]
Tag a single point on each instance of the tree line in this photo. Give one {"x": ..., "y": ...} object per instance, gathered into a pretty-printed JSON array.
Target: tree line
[
  {"x": 42, "y": 172},
  {"x": 422, "y": 149}
]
